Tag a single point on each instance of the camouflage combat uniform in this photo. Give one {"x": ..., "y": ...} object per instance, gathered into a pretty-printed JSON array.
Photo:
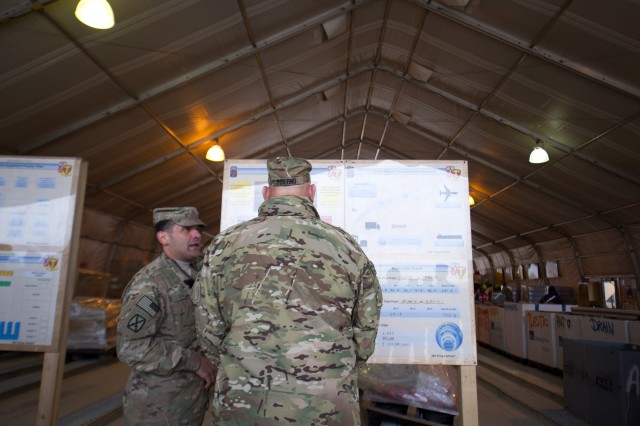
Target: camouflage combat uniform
[
  {"x": 287, "y": 306},
  {"x": 157, "y": 339}
]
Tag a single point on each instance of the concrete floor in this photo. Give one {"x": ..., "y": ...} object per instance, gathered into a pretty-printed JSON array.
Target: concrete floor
[{"x": 84, "y": 389}]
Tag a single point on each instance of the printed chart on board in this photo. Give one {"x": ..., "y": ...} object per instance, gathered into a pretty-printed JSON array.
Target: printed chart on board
[
  {"x": 412, "y": 220},
  {"x": 36, "y": 208}
]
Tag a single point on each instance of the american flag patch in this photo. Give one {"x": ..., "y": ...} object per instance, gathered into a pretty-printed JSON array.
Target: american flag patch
[{"x": 148, "y": 306}]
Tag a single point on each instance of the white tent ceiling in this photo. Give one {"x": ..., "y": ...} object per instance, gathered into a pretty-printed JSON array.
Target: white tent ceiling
[{"x": 480, "y": 80}]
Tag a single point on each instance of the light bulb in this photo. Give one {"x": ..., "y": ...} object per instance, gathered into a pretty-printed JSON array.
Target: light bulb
[
  {"x": 538, "y": 155},
  {"x": 95, "y": 13},
  {"x": 215, "y": 153}
]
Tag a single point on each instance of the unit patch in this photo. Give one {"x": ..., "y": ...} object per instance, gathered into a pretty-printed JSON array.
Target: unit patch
[
  {"x": 136, "y": 323},
  {"x": 148, "y": 306}
]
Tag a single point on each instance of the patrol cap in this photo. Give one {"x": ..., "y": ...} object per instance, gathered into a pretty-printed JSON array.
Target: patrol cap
[
  {"x": 287, "y": 171},
  {"x": 183, "y": 216}
]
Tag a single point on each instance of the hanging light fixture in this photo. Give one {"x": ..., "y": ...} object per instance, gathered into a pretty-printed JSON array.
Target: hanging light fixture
[
  {"x": 95, "y": 13},
  {"x": 471, "y": 200},
  {"x": 215, "y": 153},
  {"x": 538, "y": 155}
]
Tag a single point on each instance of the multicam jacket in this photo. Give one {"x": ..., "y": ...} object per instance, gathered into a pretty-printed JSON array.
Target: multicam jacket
[
  {"x": 157, "y": 339},
  {"x": 286, "y": 306}
]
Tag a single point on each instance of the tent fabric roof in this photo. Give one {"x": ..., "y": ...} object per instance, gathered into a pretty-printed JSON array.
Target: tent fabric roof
[{"x": 478, "y": 80}]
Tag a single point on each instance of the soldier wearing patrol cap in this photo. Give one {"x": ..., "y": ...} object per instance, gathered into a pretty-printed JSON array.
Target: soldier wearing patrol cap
[
  {"x": 170, "y": 378},
  {"x": 288, "y": 171},
  {"x": 287, "y": 307}
]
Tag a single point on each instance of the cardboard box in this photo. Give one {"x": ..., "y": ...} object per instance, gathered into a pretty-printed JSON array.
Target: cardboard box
[
  {"x": 601, "y": 382},
  {"x": 567, "y": 327},
  {"x": 93, "y": 323},
  {"x": 482, "y": 323},
  {"x": 515, "y": 342},
  {"x": 583, "y": 295},
  {"x": 595, "y": 294},
  {"x": 541, "y": 338},
  {"x": 608, "y": 330},
  {"x": 574, "y": 378},
  {"x": 634, "y": 332},
  {"x": 613, "y": 384},
  {"x": 629, "y": 300},
  {"x": 496, "y": 327}
]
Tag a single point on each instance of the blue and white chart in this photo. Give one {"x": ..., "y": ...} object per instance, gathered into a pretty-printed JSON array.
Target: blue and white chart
[
  {"x": 412, "y": 220},
  {"x": 37, "y": 200}
]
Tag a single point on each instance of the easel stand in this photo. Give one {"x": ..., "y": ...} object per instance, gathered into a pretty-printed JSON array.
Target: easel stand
[
  {"x": 56, "y": 256},
  {"x": 53, "y": 366},
  {"x": 468, "y": 397},
  {"x": 50, "y": 387}
]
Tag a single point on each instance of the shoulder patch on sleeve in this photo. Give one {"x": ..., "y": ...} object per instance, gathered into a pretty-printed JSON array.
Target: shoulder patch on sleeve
[
  {"x": 136, "y": 323},
  {"x": 148, "y": 306}
]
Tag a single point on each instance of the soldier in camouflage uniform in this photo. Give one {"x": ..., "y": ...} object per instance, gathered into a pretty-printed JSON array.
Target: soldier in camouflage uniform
[
  {"x": 287, "y": 307},
  {"x": 170, "y": 377}
]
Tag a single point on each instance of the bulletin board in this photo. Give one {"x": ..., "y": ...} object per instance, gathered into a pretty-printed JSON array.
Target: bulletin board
[
  {"x": 411, "y": 217},
  {"x": 41, "y": 201}
]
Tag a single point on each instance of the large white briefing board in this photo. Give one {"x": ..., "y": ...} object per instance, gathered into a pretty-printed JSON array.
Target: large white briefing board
[
  {"x": 40, "y": 207},
  {"x": 412, "y": 220}
]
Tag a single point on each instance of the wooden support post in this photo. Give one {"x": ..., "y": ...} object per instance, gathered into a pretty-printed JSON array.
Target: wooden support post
[
  {"x": 467, "y": 397},
  {"x": 50, "y": 386},
  {"x": 53, "y": 366}
]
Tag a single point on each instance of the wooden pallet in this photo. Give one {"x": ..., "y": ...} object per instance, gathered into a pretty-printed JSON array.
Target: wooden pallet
[
  {"x": 467, "y": 405},
  {"x": 408, "y": 415}
]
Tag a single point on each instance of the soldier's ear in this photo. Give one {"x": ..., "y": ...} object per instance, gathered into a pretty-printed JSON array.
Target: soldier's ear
[
  {"x": 162, "y": 237},
  {"x": 311, "y": 192}
]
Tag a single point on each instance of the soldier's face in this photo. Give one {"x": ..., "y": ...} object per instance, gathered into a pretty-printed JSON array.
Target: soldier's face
[{"x": 181, "y": 242}]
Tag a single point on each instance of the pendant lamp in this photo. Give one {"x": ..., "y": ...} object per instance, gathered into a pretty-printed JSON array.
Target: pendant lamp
[
  {"x": 95, "y": 13},
  {"x": 538, "y": 155},
  {"x": 215, "y": 153}
]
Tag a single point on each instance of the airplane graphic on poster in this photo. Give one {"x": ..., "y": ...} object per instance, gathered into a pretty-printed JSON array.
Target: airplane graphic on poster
[{"x": 447, "y": 193}]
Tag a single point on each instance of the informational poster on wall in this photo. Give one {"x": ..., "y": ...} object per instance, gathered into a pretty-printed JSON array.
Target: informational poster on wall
[
  {"x": 412, "y": 220},
  {"x": 37, "y": 210}
]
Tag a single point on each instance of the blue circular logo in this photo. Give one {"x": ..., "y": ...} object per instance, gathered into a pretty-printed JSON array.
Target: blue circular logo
[{"x": 449, "y": 336}]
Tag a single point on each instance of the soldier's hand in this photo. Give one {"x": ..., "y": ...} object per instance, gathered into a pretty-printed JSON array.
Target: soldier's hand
[{"x": 207, "y": 371}]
